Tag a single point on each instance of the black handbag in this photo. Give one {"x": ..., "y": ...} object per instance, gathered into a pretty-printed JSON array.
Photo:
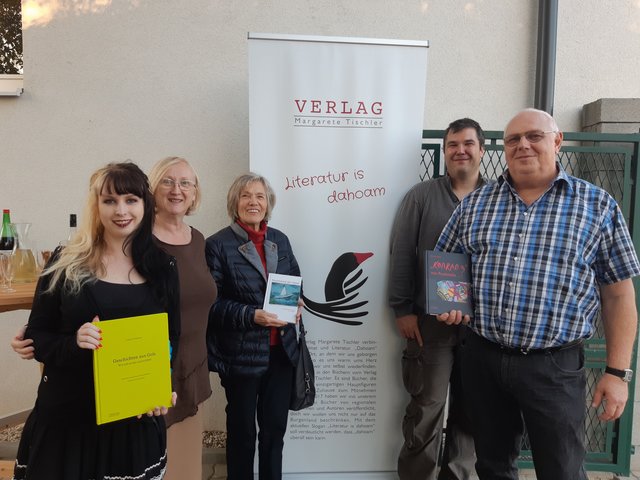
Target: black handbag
[{"x": 303, "y": 390}]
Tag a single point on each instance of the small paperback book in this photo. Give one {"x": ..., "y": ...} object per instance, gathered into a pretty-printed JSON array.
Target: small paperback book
[
  {"x": 281, "y": 298},
  {"x": 448, "y": 282}
]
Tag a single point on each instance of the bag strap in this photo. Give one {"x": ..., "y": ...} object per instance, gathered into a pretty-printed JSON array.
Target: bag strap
[{"x": 303, "y": 331}]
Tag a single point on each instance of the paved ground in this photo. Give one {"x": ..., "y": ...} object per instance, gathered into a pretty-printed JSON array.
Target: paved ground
[
  {"x": 214, "y": 467},
  {"x": 218, "y": 470},
  {"x": 530, "y": 475}
]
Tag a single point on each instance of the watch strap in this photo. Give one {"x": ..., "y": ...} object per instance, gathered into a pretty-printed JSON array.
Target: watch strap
[{"x": 625, "y": 374}]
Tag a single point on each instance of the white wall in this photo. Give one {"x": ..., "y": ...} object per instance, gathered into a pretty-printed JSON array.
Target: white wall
[
  {"x": 108, "y": 80},
  {"x": 142, "y": 79}
]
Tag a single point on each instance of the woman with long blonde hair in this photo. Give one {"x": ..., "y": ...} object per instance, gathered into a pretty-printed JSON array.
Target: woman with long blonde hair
[{"x": 111, "y": 269}]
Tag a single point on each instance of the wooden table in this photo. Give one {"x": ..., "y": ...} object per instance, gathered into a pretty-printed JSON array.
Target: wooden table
[{"x": 21, "y": 299}]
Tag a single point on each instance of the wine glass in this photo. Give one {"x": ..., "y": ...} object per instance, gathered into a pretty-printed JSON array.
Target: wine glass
[
  {"x": 3, "y": 281},
  {"x": 8, "y": 270},
  {"x": 41, "y": 257}
]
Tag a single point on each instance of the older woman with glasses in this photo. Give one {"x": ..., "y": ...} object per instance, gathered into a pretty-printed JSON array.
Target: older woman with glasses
[{"x": 176, "y": 190}]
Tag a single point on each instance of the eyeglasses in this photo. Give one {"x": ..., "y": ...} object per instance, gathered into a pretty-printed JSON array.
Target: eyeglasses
[
  {"x": 532, "y": 137},
  {"x": 185, "y": 185}
]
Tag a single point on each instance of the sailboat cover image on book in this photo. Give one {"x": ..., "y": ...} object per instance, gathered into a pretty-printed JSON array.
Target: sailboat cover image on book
[
  {"x": 282, "y": 295},
  {"x": 448, "y": 282}
]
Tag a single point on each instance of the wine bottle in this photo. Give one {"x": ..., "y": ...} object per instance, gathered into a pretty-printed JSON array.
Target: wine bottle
[
  {"x": 7, "y": 239},
  {"x": 73, "y": 224}
]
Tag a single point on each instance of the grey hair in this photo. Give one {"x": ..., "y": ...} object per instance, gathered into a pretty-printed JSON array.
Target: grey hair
[{"x": 239, "y": 184}]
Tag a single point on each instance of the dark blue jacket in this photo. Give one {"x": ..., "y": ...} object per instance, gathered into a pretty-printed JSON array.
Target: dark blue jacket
[{"x": 236, "y": 344}]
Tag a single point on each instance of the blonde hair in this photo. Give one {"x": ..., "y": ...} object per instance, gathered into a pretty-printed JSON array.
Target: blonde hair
[
  {"x": 81, "y": 260},
  {"x": 239, "y": 184},
  {"x": 159, "y": 170}
]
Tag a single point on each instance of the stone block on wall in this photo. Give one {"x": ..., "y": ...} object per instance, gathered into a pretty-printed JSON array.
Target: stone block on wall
[{"x": 612, "y": 115}]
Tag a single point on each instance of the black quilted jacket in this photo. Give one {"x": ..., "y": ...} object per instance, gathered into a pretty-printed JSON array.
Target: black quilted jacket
[{"x": 236, "y": 344}]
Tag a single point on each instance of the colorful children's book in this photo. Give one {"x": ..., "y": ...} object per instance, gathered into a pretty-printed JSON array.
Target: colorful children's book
[{"x": 448, "y": 282}]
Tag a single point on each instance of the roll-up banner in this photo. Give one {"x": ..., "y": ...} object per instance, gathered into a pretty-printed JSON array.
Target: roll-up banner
[{"x": 336, "y": 127}]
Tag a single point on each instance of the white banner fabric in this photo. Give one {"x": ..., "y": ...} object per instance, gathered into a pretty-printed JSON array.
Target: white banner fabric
[{"x": 336, "y": 127}]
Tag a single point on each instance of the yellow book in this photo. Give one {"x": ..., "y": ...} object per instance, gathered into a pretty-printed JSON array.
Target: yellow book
[{"x": 132, "y": 371}]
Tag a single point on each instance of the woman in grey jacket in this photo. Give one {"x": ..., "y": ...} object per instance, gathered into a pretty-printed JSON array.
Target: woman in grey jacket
[{"x": 252, "y": 350}]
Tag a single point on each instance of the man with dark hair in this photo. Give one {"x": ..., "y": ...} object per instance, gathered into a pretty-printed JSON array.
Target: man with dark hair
[
  {"x": 430, "y": 361},
  {"x": 550, "y": 252}
]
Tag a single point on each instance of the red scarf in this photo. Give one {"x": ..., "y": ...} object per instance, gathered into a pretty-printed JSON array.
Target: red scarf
[{"x": 257, "y": 237}]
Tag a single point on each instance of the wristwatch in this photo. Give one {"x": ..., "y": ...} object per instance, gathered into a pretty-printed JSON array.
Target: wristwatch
[{"x": 626, "y": 375}]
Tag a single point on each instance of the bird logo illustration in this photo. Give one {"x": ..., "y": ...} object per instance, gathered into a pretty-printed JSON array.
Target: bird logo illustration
[{"x": 340, "y": 291}]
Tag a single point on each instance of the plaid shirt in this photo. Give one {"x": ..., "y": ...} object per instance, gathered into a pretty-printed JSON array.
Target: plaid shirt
[{"x": 537, "y": 268}]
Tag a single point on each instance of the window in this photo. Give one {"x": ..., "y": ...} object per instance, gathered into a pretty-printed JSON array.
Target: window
[{"x": 10, "y": 47}]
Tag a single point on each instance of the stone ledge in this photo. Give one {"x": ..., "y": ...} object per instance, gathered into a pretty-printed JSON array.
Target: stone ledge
[
  {"x": 214, "y": 464},
  {"x": 8, "y": 450},
  {"x": 213, "y": 456},
  {"x": 611, "y": 110}
]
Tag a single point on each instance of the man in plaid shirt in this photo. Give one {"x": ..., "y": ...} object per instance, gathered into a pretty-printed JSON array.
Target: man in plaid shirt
[{"x": 549, "y": 253}]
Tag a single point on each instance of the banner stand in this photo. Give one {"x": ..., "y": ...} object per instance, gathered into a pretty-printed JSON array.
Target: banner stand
[{"x": 336, "y": 126}]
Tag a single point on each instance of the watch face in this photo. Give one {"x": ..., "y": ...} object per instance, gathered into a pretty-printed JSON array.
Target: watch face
[{"x": 628, "y": 375}]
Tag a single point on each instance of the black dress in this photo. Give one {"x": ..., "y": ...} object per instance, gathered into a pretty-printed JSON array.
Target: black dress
[{"x": 60, "y": 439}]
